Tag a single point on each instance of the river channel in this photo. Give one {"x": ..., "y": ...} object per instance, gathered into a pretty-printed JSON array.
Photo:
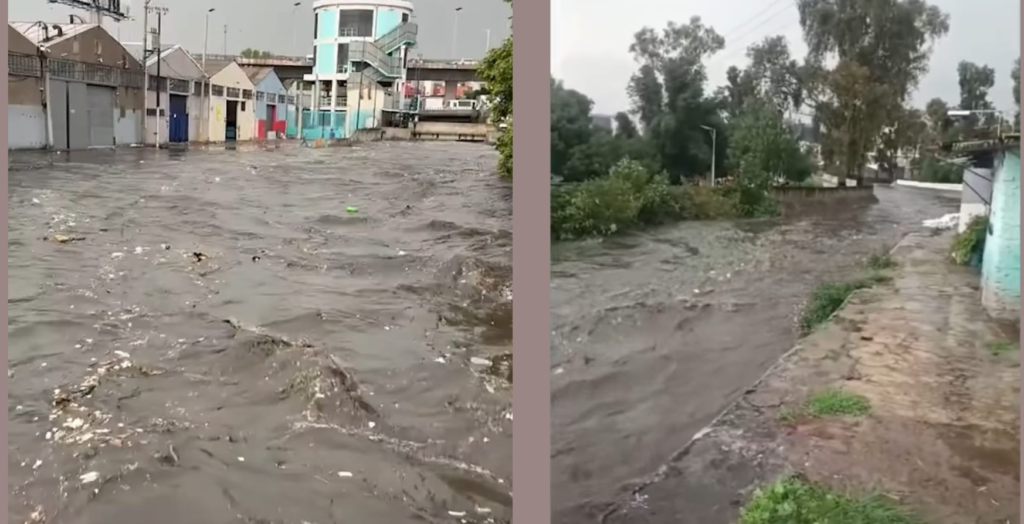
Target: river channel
[
  {"x": 654, "y": 334},
  {"x": 275, "y": 335}
]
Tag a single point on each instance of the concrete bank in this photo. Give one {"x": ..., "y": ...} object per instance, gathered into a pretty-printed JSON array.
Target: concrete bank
[
  {"x": 943, "y": 434},
  {"x": 793, "y": 200}
]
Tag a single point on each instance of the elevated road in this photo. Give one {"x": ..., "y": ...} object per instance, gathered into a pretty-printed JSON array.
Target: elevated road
[{"x": 419, "y": 69}]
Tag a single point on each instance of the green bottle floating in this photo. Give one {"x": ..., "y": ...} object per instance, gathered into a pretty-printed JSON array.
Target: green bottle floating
[{"x": 352, "y": 209}]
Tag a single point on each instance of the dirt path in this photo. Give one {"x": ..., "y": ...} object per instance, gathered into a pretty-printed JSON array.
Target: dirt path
[{"x": 943, "y": 433}]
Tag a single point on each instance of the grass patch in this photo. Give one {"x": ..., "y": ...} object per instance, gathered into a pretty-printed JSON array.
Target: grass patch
[
  {"x": 881, "y": 262},
  {"x": 834, "y": 402},
  {"x": 795, "y": 501},
  {"x": 969, "y": 246},
  {"x": 1001, "y": 346},
  {"x": 826, "y": 300}
]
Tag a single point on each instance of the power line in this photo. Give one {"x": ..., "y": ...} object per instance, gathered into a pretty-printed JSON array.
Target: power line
[
  {"x": 751, "y": 19},
  {"x": 718, "y": 60}
]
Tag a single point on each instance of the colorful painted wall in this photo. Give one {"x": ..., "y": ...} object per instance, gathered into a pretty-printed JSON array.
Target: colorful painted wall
[
  {"x": 1000, "y": 274},
  {"x": 271, "y": 106}
]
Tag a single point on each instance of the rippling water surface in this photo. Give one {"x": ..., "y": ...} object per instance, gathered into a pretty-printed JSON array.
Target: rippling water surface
[{"x": 215, "y": 337}]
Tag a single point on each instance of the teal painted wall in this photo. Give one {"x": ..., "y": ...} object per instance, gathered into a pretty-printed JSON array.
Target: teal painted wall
[
  {"x": 327, "y": 24},
  {"x": 386, "y": 21},
  {"x": 320, "y": 125},
  {"x": 325, "y": 55},
  {"x": 291, "y": 122},
  {"x": 1000, "y": 273}
]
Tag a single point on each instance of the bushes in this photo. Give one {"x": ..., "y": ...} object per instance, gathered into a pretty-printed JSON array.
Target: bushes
[
  {"x": 630, "y": 196},
  {"x": 969, "y": 246},
  {"x": 627, "y": 197}
]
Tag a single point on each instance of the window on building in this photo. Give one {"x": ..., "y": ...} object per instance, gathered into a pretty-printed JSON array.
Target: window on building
[
  {"x": 316, "y": 25},
  {"x": 281, "y": 99},
  {"x": 342, "y": 58},
  {"x": 355, "y": 22},
  {"x": 197, "y": 88},
  {"x": 405, "y": 17},
  {"x": 247, "y": 94},
  {"x": 233, "y": 92},
  {"x": 218, "y": 90},
  {"x": 260, "y": 95},
  {"x": 242, "y": 105}
]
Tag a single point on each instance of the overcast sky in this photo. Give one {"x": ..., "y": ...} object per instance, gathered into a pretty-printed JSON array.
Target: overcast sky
[
  {"x": 272, "y": 25},
  {"x": 590, "y": 42}
]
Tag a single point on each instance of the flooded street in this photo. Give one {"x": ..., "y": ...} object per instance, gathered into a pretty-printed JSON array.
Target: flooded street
[
  {"x": 281, "y": 336},
  {"x": 654, "y": 334}
]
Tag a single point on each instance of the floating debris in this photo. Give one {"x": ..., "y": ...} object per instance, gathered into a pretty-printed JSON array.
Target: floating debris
[
  {"x": 89, "y": 477},
  {"x": 345, "y": 474}
]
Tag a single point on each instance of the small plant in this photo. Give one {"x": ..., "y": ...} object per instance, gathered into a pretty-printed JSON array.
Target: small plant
[
  {"x": 1000, "y": 347},
  {"x": 835, "y": 402},
  {"x": 792, "y": 500},
  {"x": 881, "y": 262},
  {"x": 826, "y": 300},
  {"x": 969, "y": 245}
]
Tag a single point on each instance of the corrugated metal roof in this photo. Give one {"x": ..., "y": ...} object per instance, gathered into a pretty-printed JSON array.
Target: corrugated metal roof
[
  {"x": 215, "y": 66},
  {"x": 35, "y": 32},
  {"x": 257, "y": 74}
]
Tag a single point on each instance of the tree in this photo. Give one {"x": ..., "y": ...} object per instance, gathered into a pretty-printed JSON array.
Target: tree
[
  {"x": 1015, "y": 76},
  {"x": 939, "y": 124},
  {"x": 902, "y": 138},
  {"x": 975, "y": 83},
  {"x": 667, "y": 94},
  {"x": 773, "y": 75},
  {"x": 881, "y": 50},
  {"x": 496, "y": 71},
  {"x": 763, "y": 149},
  {"x": 571, "y": 125},
  {"x": 625, "y": 128},
  {"x": 255, "y": 53}
]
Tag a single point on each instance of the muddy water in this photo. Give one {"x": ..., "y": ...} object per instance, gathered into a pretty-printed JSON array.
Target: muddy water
[
  {"x": 654, "y": 334},
  {"x": 218, "y": 339}
]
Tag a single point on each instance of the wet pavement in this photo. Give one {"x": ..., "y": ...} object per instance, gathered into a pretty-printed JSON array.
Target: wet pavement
[
  {"x": 654, "y": 334},
  {"x": 262, "y": 336}
]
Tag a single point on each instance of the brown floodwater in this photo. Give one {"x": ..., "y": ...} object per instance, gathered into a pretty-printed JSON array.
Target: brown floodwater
[
  {"x": 654, "y": 334},
  {"x": 278, "y": 335}
]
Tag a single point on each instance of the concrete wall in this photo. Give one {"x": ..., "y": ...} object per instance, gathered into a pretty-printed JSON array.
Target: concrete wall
[
  {"x": 1000, "y": 273},
  {"x": 930, "y": 185},
  {"x": 800, "y": 199},
  {"x": 976, "y": 194},
  {"x": 128, "y": 127},
  {"x": 271, "y": 85},
  {"x": 388, "y": 18},
  {"x": 26, "y": 127},
  {"x": 450, "y": 131}
]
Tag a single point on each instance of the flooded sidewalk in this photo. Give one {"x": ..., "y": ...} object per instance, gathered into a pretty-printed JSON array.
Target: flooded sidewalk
[{"x": 941, "y": 436}]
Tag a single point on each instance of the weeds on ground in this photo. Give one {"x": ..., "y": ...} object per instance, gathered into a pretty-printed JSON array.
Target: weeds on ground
[
  {"x": 881, "y": 262},
  {"x": 832, "y": 402},
  {"x": 795, "y": 501},
  {"x": 826, "y": 300},
  {"x": 1000, "y": 347},
  {"x": 970, "y": 245},
  {"x": 835, "y": 402}
]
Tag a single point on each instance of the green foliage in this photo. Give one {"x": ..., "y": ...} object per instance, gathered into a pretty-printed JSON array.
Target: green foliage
[
  {"x": 1000, "y": 347},
  {"x": 793, "y": 500},
  {"x": 496, "y": 71},
  {"x": 504, "y": 146},
  {"x": 881, "y": 262},
  {"x": 629, "y": 196},
  {"x": 834, "y": 402},
  {"x": 936, "y": 169},
  {"x": 969, "y": 245},
  {"x": 255, "y": 53},
  {"x": 826, "y": 300},
  {"x": 764, "y": 151},
  {"x": 571, "y": 128}
]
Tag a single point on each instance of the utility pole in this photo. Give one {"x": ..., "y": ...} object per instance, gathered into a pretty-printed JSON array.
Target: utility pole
[
  {"x": 204, "y": 99},
  {"x": 455, "y": 34},
  {"x": 225, "y": 40},
  {"x": 488, "y": 48},
  {"x": 160, "y": 12},
  {"x": 714, "y": 140},
  {"x": 145, "y": 69}
]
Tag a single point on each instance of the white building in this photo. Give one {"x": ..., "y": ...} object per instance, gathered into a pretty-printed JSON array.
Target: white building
[
  {"x": 359, "y": 53},
  {"x": 181, "y": 106},
  {"x": 232, "y": 115}
]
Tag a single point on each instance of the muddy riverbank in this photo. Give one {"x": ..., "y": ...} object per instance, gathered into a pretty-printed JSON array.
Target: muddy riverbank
[
  {"x": 273, "y": 336},
  {"x": 654, "y": 334}
]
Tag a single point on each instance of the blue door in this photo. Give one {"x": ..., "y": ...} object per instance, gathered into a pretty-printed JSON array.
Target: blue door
[{"x": 178, "y": 119}]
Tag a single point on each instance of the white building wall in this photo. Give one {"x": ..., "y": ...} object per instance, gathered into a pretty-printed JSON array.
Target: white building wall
[
  {"x": 26, "y": 127},
  {"x": 234, "y": 76},
  {"x": 128, "y": 128}
]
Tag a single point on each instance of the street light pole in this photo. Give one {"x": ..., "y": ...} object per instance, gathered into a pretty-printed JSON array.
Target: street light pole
[
  {"x": 145, "y": 72},
  {"x": 205, "y": 95},
  {"x": 295, "y": 7},
  {"x": 455, "y": 34},
  {"x": 488, "y": 41},
  {"x": 714, "y": 143}
]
